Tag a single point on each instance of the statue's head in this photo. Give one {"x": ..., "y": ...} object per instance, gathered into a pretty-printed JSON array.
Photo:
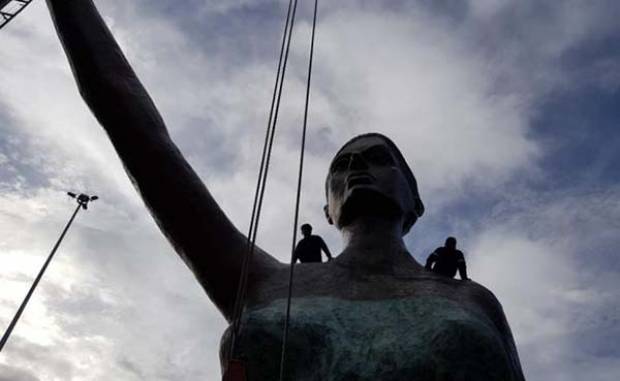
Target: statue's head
[{"x": 369, "y": 176}]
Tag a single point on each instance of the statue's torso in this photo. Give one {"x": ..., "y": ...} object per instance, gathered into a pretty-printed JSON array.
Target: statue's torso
[{"x": 379, "y": 327}]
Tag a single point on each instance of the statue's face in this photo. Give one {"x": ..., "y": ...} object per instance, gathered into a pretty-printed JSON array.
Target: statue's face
[{"x": 366, "y": 179}]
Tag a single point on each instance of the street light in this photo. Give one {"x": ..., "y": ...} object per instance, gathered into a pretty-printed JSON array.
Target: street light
[{"x": 82, "y": 201}]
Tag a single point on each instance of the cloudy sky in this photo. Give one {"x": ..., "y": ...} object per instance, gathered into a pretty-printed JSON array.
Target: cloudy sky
[{"x": 507, "y": 111}]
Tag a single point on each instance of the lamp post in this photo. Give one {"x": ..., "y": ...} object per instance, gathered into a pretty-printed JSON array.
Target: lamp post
[{"x": 82, "y": 201}]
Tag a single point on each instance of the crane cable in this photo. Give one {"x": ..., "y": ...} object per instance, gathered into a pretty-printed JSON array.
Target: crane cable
[
  {"x": 262, "y": 179},
  {"x": 263, "y": 172},
  {"x": 298, "y": 198}
]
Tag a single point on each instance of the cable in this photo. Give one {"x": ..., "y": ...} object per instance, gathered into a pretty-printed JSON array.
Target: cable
[
  {"x": 263, "y": 172},
  {"x": 298, "y": 199}
]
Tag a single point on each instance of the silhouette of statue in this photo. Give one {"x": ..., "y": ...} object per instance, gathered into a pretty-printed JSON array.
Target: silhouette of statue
[
  {"x": 373, "y": 313},
  {"x": 308, "y": 249},
  {"x": 447, "y": 259}
]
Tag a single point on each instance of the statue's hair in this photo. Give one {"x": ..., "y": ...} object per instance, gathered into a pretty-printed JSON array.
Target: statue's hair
[{"x": 413, "y": 184}]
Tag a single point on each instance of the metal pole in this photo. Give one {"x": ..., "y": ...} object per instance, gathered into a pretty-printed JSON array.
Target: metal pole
[{"x": 8, "y": 331}]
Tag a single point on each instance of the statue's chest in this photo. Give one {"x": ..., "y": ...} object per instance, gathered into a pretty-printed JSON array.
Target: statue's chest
[{"x": 424, "y": 338}]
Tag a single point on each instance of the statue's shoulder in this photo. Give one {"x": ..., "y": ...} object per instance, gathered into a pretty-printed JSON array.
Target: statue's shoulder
[
  {"x": 480, "y": 292},
  {"x": 489, "y": 303},
  {"x": 485, "y": 300}
]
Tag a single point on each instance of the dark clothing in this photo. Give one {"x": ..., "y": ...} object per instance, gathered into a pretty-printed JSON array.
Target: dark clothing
[
  {"x": 447, "y": 261},
  {"x": 309, "y": 249}
]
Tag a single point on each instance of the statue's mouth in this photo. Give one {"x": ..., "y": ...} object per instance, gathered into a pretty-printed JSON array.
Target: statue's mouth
[
  {"x": 358, "y": 179},
  {"x": 366, "y": 199}
]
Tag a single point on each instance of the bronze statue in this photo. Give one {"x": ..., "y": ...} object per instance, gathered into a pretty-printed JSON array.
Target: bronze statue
[{"x": 373, "y": 313}]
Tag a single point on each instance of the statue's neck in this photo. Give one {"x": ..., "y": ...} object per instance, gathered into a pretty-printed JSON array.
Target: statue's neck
[{"x": 375, "y": 243}]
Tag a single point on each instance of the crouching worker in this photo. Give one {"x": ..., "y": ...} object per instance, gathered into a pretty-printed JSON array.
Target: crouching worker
[
  {"x": 309, "y": 249},
  {"x": 447, "y": 259}
]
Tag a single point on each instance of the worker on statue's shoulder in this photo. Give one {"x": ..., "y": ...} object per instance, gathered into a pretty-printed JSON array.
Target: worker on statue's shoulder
[
  {"x": 447, "y": 259},
  {"x": 308, "y": 250}
]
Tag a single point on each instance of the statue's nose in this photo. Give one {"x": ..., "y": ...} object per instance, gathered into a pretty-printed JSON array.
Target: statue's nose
[{"x": 357, "y": 162}]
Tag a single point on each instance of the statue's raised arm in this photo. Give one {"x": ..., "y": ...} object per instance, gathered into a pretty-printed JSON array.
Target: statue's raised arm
[{"x": 178, "y": 200}]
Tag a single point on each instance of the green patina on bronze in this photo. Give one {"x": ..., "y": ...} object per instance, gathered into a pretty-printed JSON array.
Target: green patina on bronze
[{"x": 419, "y": 339}]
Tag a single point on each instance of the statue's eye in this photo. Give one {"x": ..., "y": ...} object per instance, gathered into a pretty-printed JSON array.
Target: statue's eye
[
  {"x": 340, "y": 164},
  {"x": 378, "y": 155}
]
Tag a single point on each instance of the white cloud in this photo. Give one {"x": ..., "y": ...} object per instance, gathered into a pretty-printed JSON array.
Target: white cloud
[{"x": 551, "y": 260}]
